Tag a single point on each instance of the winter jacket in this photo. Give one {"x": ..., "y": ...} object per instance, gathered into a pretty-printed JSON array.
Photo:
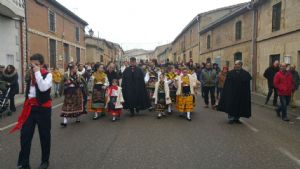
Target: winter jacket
[
  {"x": 284, "y": 83},
  {"x": 269, "y": 75},
  {"x": 56, "y": 76},
  {"x": 208, "y": 78},
  {"x": 296, "y": 79}
]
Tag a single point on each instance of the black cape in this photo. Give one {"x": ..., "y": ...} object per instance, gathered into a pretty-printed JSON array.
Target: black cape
[
  {"x": 134, "y": 89},
  {"x": 236, "y": 96}
]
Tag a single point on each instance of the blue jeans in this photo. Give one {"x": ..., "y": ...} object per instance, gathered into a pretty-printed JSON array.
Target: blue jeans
[
  {"x": 284, "y": 102},
  {"x": 56, "y": 87}
]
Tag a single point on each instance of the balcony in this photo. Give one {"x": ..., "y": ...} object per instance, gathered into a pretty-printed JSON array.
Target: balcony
[{"x": 12, "y": 8}]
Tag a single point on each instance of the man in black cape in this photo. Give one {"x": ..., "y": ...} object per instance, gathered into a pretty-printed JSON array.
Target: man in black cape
[
  {"x": 134, "y": 88},
  {"x": 236, "y": 96}
]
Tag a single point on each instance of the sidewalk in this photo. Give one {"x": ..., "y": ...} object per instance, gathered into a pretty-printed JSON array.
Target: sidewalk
[
  {"x": 259, "y": 99},
  {"x": 19, "y": 99}
]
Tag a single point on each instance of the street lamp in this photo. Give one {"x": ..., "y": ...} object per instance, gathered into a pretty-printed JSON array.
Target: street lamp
[{"x": 91, "y": 32}]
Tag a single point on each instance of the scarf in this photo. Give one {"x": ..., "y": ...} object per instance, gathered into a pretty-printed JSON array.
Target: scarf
[{"x": 27, "y": 110}]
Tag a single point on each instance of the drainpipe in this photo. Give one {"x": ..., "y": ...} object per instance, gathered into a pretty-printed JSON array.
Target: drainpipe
[{"x": 254, "y": 46}]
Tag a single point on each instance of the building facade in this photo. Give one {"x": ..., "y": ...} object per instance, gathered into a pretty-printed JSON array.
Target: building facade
[
  {"x": 186, "y": 45},
  {"x": 162, "y": 53},
  {"x": 258, "y": 33},
  {"x": 228, "y": 39},
  {"x": 101, "y": 50},
  {"x": 12, "y": 35},
  {"x": 55, "y": 32},
  {"x": 139, "y": 54},
  {"x": 278, "y": 37}
]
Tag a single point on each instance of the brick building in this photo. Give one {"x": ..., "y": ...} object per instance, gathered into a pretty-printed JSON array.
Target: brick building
[
  {"x": 101, "y": 50},
  {"x": 55, "y": 32}
]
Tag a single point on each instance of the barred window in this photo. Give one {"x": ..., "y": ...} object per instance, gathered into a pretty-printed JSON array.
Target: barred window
[
  {"x": 77, "y": 34},
  {"x": 51, "y": 21},
  {"x": 276, "y": 17},
  {"x": 238, "y": 30},
  {"x": 208, "y": 42}
]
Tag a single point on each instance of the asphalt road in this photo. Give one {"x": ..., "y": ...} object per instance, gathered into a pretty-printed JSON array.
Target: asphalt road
[{"x": 142, "y": 142}]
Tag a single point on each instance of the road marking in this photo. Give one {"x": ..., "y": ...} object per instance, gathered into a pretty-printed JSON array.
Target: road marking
[
  {"x": 249, "y": 126},
  {"x": 13, "y": 124},
  {"x": 8, "y": 126},
  {"x": 290, "y": 155},
  {"x": 56, "y": 106},
  {"x": 298, "y": 118}
]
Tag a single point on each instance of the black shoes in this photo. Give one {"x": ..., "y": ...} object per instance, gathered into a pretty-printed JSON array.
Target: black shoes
[
  {"x": 234, "y": 122},
  {"x": 285, "y": 119},
  {"x": 231, "y": 122},
  {"x": 24, "y": 167},
  {"x": 44, "y": 165},
  {"x": 63, "y": 124}
]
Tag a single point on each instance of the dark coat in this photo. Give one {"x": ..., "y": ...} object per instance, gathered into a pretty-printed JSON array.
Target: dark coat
[
  {"x": 12, "y": 78},
  {"x": 236, "y": 96},
  {"x": 134, "y": 89},
  {"x": 269, "y": 75},
  {"x": 111, "y": 75}
]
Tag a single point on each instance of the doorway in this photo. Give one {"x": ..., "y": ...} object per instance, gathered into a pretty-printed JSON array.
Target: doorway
[{"x": 273, "y": 58}]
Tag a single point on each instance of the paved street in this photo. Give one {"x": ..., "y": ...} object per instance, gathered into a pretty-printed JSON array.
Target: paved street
[{"x": 208, "y": 142}]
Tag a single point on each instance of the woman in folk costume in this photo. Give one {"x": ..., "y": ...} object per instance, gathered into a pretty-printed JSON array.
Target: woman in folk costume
[
  {"x": 74, "y": 89},
  {"x": 114, "y": 100},
  {"x": 161, "y": 96},
  {"x": 151, "y": 78},
  {"x": 100, "y": 83},
  {"x": 185, "y": 92},
  {"x": 171, "y": 76}
]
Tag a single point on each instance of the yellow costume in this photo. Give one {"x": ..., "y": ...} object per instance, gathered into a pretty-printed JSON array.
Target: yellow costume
[{"x": 184, "y": 99}]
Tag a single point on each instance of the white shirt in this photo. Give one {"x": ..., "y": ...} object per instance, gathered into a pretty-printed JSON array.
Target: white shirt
[{"x": 43, "y": 84}]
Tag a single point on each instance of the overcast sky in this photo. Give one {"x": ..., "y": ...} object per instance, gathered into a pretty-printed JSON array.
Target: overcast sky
[{"x": 141, "y": 23}]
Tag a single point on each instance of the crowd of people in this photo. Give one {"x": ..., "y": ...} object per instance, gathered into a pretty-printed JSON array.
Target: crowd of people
[
  {"x": 109, "y": 89},
  {"x": 283, "y": 81}
]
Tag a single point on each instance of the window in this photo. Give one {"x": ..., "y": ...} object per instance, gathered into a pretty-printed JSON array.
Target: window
[
  {"x": 276, "y": 17},
  {"x": 51, "y": 21},
  {"x": 77, "y": 34},
  {"x": 273, "y": 58},
  {"x": 208, "y": 42},
  {"x": 238, "y": 30},
  {"x": 52, "y": 47},
  {"x": 78, "y": 55},
  {"x": 238, "y": 56}
]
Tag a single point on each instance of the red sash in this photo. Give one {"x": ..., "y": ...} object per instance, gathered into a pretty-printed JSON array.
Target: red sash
[{"x": 26, "y": 112}]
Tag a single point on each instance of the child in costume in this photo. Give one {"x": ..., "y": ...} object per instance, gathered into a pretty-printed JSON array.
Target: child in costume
[{"x": 114, "y": 100}]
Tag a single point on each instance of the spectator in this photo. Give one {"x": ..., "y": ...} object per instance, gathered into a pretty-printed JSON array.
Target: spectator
[
  {"x": 221, "y": 80},
  {"x": 284, "y": 84},
  {"x": 57, "y": 77},
  {"x": 296, "y": 79},
  {"x": 208, "y": 80},
  {"x": 10, "y": 76},
  {"x": 269, "y": 75}
]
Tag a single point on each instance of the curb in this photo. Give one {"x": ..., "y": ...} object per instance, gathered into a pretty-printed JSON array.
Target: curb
[{"x": 290, "y": 111}]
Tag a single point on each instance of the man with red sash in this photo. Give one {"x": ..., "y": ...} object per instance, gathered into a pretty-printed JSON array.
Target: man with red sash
[{"x": 36, "y": 111}]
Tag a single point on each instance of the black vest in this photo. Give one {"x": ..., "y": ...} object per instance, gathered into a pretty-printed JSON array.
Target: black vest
[{"x": 42, "y": 97}]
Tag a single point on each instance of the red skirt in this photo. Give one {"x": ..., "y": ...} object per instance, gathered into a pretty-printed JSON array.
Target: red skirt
[{"x": 116, "y": 112}]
